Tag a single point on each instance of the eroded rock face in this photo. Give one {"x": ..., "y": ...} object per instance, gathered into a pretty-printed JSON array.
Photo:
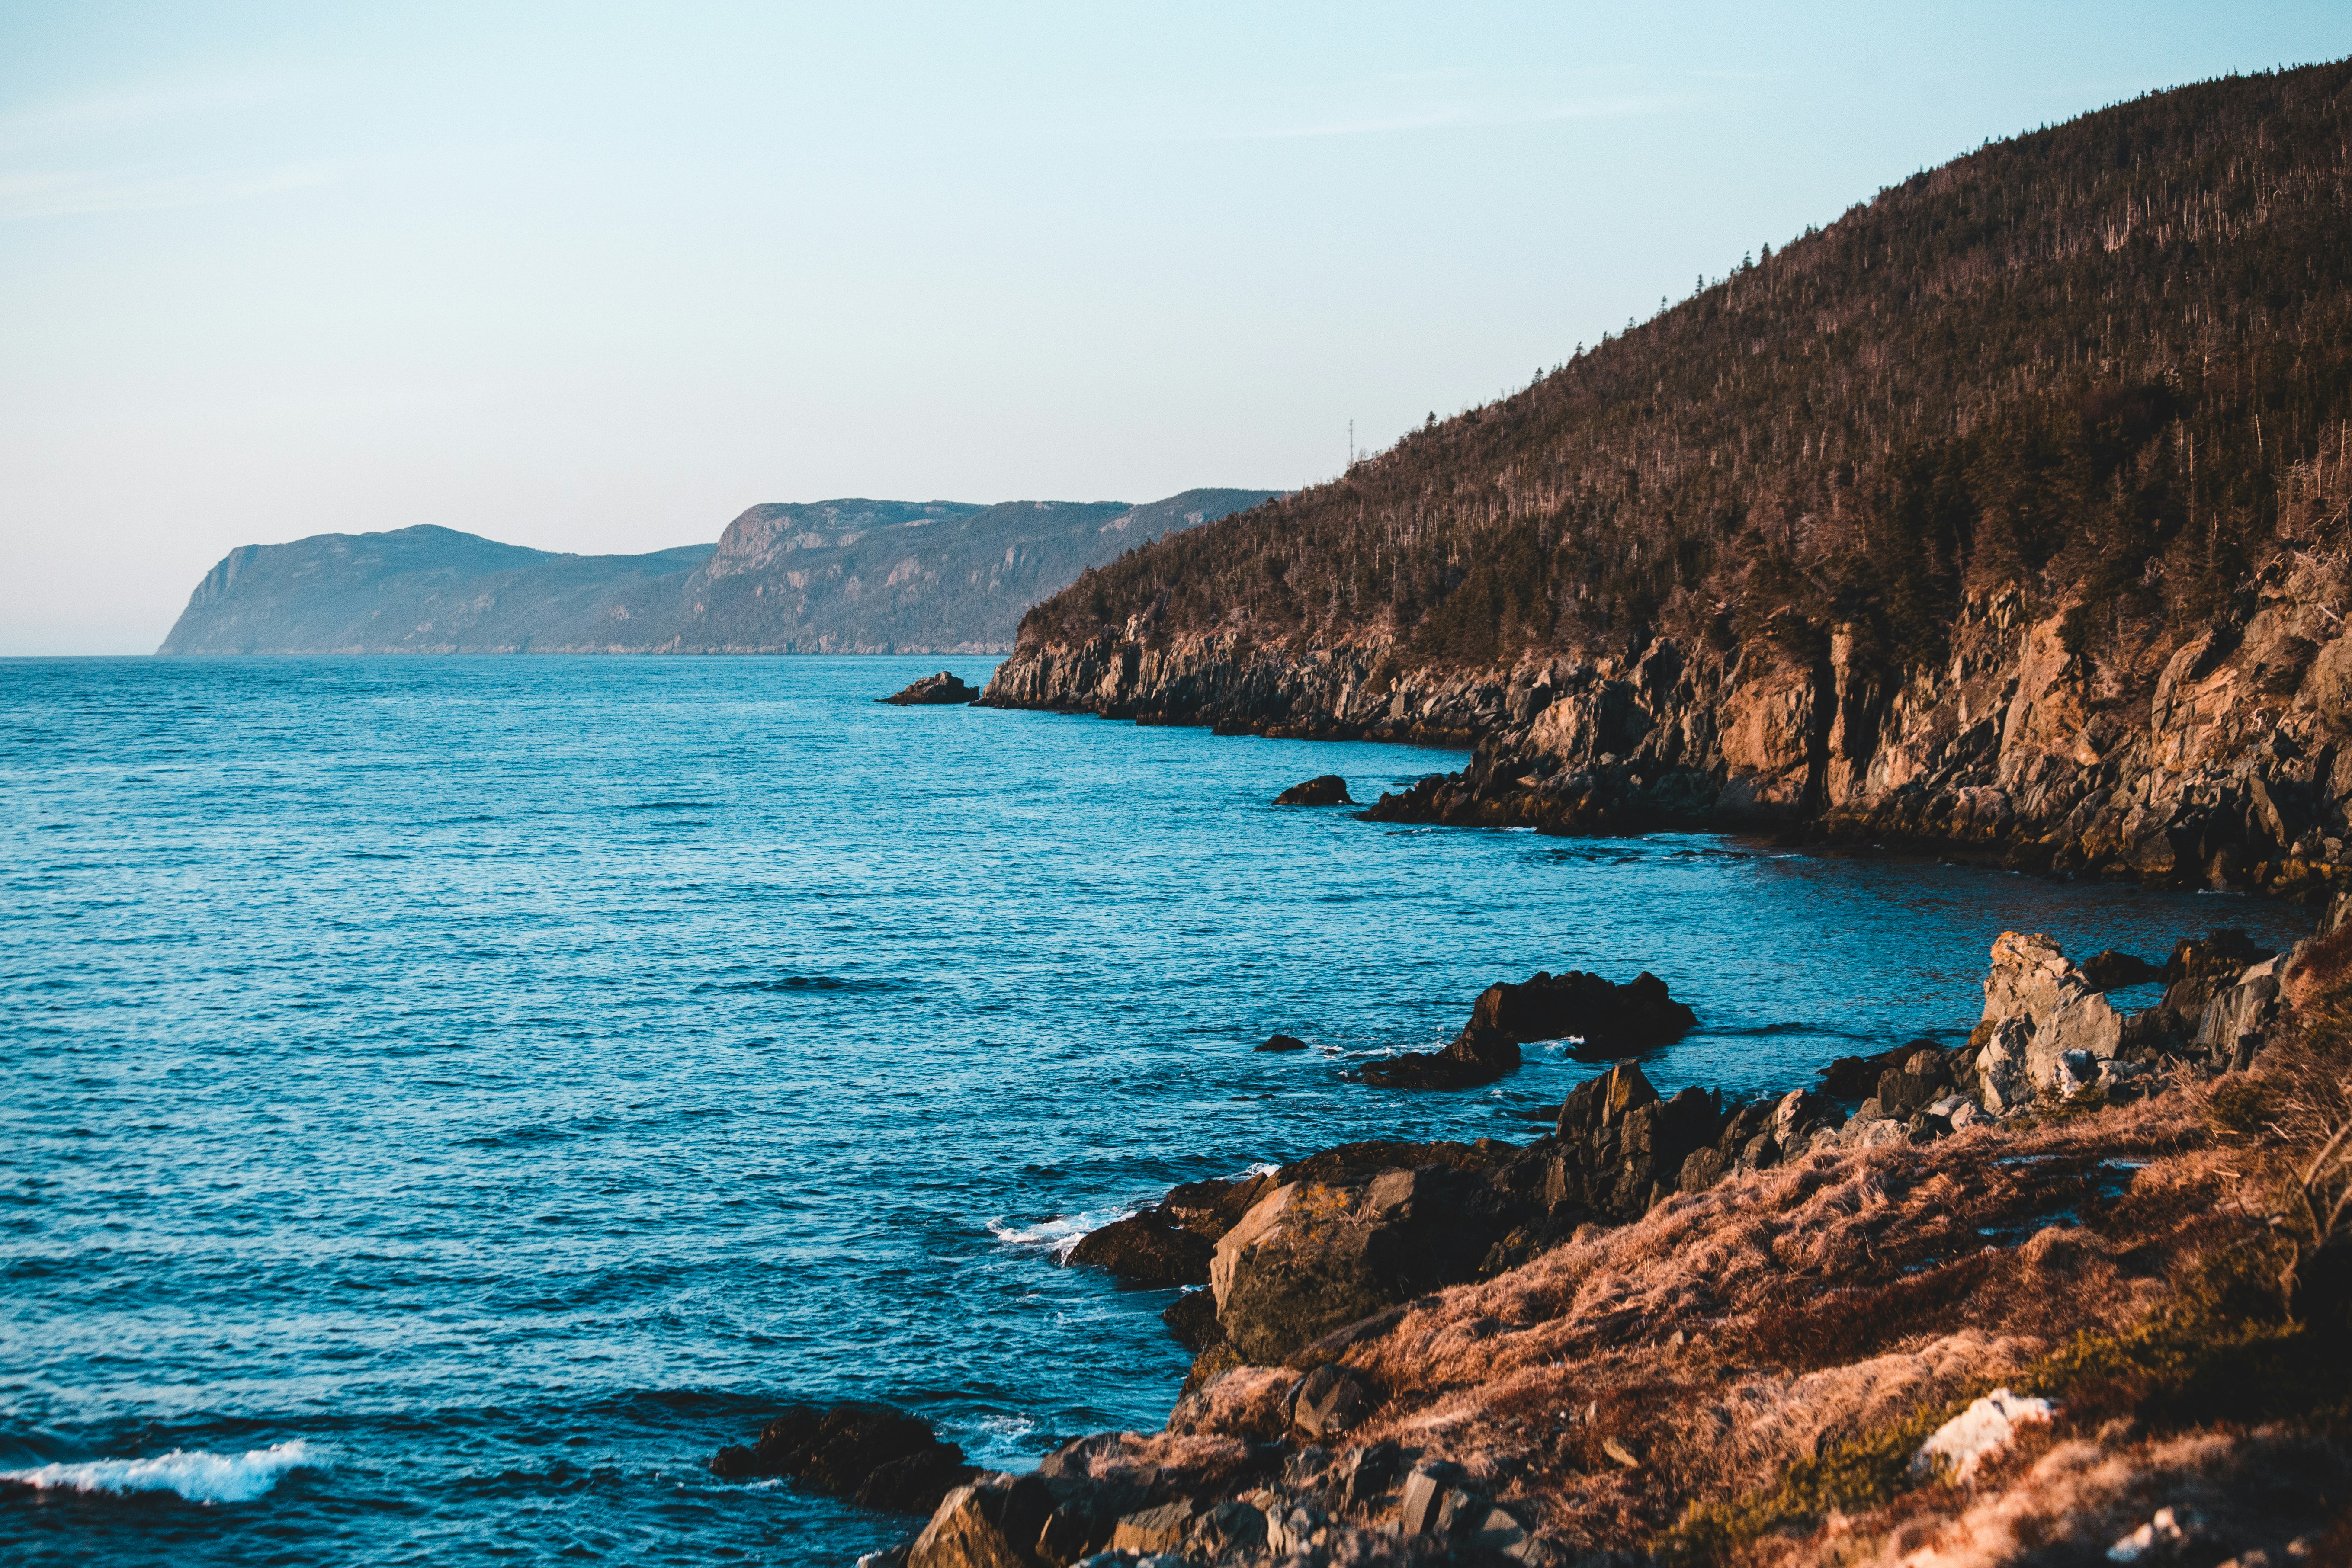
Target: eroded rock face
[
  {"x": 2031, "y": 982},
  {"x": 2218, "y": 756}
]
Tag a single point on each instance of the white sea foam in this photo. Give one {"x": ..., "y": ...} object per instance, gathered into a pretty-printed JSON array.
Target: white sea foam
[
  {"x": 1059, "y": 1234},
  {"x": 199, "y": 1477}
]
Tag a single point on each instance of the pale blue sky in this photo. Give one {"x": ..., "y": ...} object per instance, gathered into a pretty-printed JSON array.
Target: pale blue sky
[{"x": 596, "y": 278}]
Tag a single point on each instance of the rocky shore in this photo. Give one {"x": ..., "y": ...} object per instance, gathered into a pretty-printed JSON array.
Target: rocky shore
[
  {"x": 1981, "y": 1302},
  {"x": 2218, "y": 758}
]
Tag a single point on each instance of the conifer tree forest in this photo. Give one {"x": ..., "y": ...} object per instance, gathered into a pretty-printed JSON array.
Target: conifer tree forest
[{"x": 2108, "y": 363}]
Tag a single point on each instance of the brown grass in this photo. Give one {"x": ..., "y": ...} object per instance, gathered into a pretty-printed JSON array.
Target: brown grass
[{"x": 1792, "y": 1315}]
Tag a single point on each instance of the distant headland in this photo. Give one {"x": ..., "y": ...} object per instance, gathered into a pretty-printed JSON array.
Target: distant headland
[{"x": 833, "y": 576}]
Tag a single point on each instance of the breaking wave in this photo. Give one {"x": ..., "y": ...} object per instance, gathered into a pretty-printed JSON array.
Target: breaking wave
[{"x": 199, "y": 1477}]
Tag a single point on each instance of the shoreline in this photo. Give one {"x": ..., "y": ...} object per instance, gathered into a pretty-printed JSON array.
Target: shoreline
[{"x": 1350, "y": 1293}]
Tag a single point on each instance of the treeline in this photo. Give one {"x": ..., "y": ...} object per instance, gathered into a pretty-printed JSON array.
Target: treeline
[{"x": 2108, "y": 362}]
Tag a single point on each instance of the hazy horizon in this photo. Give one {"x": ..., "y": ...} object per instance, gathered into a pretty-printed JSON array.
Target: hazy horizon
[{"x": 594, "y": 281}]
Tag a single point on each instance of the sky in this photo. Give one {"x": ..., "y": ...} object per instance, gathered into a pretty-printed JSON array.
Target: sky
[{"x": 596, "y": 278}]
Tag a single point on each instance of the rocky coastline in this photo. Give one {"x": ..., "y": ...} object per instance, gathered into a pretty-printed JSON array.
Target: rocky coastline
[
  {"x": 2220, "y": 758},
  {"x": 1627, "y": 1340}
]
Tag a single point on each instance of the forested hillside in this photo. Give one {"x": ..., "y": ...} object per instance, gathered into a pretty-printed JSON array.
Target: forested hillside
[
  {"x": 2114, "y": 354},
  {"x": 2089, "y": 384}
]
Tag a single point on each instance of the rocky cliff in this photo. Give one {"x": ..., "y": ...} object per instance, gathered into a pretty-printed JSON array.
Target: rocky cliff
[
  {"x": 839, "y": 576},
  {"x": 2008, "y": 512}
]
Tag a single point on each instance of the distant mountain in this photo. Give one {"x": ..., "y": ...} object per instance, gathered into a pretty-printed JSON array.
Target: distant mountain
[{"x": 836, "y": 576}]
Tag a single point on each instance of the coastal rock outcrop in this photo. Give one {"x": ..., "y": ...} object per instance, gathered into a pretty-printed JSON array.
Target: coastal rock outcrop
[
  {"x": 1476, "y": 1056},
  {"x": 945, "y": 688},
  {"x": 874, "y": 1455},
  {"x": 1171, "y": 1242},
  {"x": 1604, "y": 1018},
  {"x": 1329, "y": 790},
  {"x": 1610, "y": 1019}
]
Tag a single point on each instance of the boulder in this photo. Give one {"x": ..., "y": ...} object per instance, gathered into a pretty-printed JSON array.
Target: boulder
[
  {"x": 1621, "y": 1148},
  {"x": 1425, "y": 1492},
  {"x": 994, "y": 1522},
  {"x": 1329, "y": 790},
  {"x": 2030, "y": 977},
  {"x": 2086, "y": 1025},
  {"x": 1333, "y": 1248},
  {"x": 1608, "y": 1018},
  {"x": 1332, "y": 1401},
  {"x": 943, "y": 688},
  {"x": 1283, "y": 1042},
  {"x": 1857, "y": 1078},
  {"x": 1147, "y": 1248},
  {"x": 1154, "y": 1530},
  {"x": 2238, "y": 1020},
  {"x": 2031, "y": 980},
  {"x": 2199, "y": 970},
  {"x": 880, "y": 1456}
]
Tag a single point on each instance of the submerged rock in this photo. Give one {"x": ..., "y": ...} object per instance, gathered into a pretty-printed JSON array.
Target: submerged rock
[
  {"x": 941, "y": 688},
  {"x": 1329, "y": 790},
  {"x": 876, "y": 1455},
  {"x": 1283, "y": 1042}
]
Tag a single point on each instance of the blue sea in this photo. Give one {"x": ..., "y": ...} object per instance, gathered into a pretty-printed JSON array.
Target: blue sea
[{"x": 447, "y": 1099}]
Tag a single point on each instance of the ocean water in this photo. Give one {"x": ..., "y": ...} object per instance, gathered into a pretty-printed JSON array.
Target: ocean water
[{"x": 448, "y": 1098}]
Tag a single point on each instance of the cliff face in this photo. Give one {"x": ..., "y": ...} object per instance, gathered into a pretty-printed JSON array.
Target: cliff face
[
  {"x": 2229, "y": 764},
  {"x": 840, "y": 577},
  {"x": 885, "y": 576},
  {"x": 2009, "y": 512}
]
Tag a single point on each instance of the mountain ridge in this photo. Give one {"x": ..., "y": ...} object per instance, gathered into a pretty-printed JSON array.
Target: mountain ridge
[{"x": 848, "y": 575}]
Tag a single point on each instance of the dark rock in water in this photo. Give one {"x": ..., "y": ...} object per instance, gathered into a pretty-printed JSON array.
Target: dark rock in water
[
  {"x": 1148, "y": 1248},
  {"x": 879, "y": 1457},
  {"x": 1192, "y": 1321},
  {"x": 2106, "y": 970},
  {"x": 1476, "y": 1056},
  {"x": 943, "y": 688},
  {"x": 1283, "y": 1042},
  {"x": 1608, "y": 1018},
  {"x": 1329, "y": 790}
]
